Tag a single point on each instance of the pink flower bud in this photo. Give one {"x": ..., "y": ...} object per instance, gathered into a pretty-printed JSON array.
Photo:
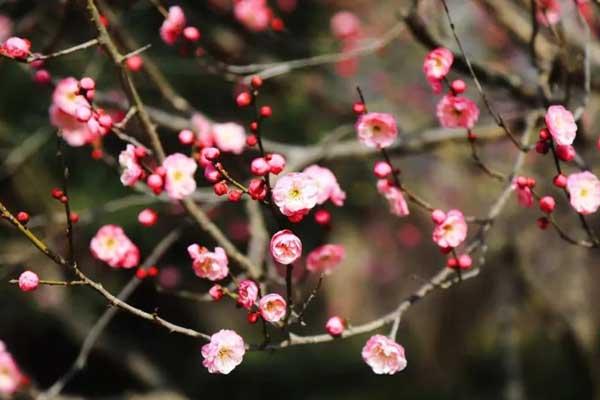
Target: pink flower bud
[
  {"x": 547, "y": 204},
  {"x": 155, "y": 182},
  {"x": 220, "y": 188},
  {"x": 458, "y": 86},
  {"x": 335, "y": 326},
  {"x": 191, "y": 33},
  {"x": 28, "y": 281},
  {"x": 438, "y": 216},
  {"x": 565, "y": 153},
  {"x": 382, "y": 169},
  {"x": 257, "y": 189},
  {"x": 42, "y": 77},
  {"x": 87, "y": 83},
  {"x": 211, "y": 174},
  {"x": 147, "y": 217},
  {"x": 285, "y": 247},
  {"x": 135, "y": 63},
  {"x": 216, "y": 292},
  {"x": 260, "y": 166},
  {"x": 186, "y": 137},
  {"x": 465, "y": 261},
  {"x": 276, "y": 162},
  {"x": 83, "y": 114},
  {"x": 243, "y": 99}
]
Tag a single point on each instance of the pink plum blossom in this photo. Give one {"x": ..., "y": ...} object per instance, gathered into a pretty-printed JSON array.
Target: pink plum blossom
[
  {"x": 561, "y": 124},
  {"x": 75, "y": 133},
  {"x": 255, "y": 15},
  {"x": 295, "y": 193},
  {"x": 584, "y": 192},
  {"x": 203, "y": 128},
  {"x": 457, "y": 112},
  {"x": 377, "y": 130},
  {"x": 548, "y": 12},
  {"x": 436, "y": 66},
  {"x": 229, "y": 137},
  {"x": 272, "y": 307},
  {"x": 345, "y": 25},
  {"x": 131, "y": 169},
  {"x": 324, "y": 259},
  {"x": 247, "y": 293},
  {"x": 211, "y": 265},
  {"x": 179, "y": 180},
  {"x": 384, "y": 355},
  {"x": 224, "y": 352},
  {"x": 394, "y": 196},
  {"x": 11, "y": 377},
  {"x": 285, "y": 247},
  {"x": 111, "y": 245},
  {"x": 173, "y": 25},
  {"x": 452, "y": 231}
]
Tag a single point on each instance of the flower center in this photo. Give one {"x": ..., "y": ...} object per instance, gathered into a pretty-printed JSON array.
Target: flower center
[{"x": 294, "y": 193}]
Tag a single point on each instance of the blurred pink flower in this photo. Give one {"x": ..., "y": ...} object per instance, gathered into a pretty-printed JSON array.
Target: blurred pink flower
[
  {"x": 436, "y": 66},
  {"x": 457, "y": 112},
  {"x": 173, "y": 25},
  {"x": 132, "y": 170},
  {"x": 395, "y": 198},
  {"x": 230, "y": 137},
  {"x": 11, "y": 377},
  {"x": 452, "y": 231},
  {"x": 345, "y": 25},
  {"x": 328, "y": 186},
  {"x": 253, "y": 14},
  {"x": 111, "y": 245},
  {"x": 324, "y": 259},
  {"x": 179, "y": 178},
  {"x": 548, "y": 12}
]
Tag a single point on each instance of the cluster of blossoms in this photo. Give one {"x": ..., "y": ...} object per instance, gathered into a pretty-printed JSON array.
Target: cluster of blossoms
[
  {"x": 174, "y": 26},
  {"x": 16, "y": 47},
  {"x": 175, "y": 175},
  {"x": 73, "y": 113},
  {"x": 112, "y": 246},
  {"x": 379, "y": 130},
  {"x": 450, "y": 231},
  {"x": 453, "y": 110},
  {"x": 11, "y": 378}
]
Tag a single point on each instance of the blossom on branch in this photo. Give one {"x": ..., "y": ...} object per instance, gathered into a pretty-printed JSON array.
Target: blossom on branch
[
  {"x": 272, "y": 307},
  {"x": 11, "y": 377},
  {"x": 327, "y": 184},
  {"x": 324, "y": 259},
  {"x": 377, "y": 130},
  {"x": 451, "y": 229},
  {"x": 384, "y": 355},
  {"x": 436, "y": 66},
  {"x": 561, "y": 124},
  {"x": 255, "y": 15},
  {"x": 211, "y": 265},
  {"x": 457, "y": 112},
  {"x": 111, "y": 245},
  {"x": 285, "y": 247},
  {"x": 179, "y": 178},
  {"x": 394, "y": 196},
  {"x": 132, "y": 170},
  {"x": 295, "y": 194},
  {"x": 173, "y": 25},
  {"x": 224, "y": 352},
  {"x": 584, "y": 192}
]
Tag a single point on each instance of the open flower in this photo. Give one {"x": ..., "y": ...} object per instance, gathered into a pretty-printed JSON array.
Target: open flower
[
  {"x": 324, "y": 259},
  {"x": 285, "y": 247},
  {"x": 15, "y": 47},
  {"x": 212, "y": 265},
  {"x": 561, "y": 124},
  {"x": 11, "y": 377},
  {"x": 327, "y": 184},
  {"x": 132, "y": 170},
  {"x": 436, "y": 66},
  {"x": 384, "y": 355},
  {"x": 451, "y": 231},
  {"x": 457, "y": 112},
  {"x": 224, "y": 352},
  {"x": 272, "y": 307},
  {"x": 180, "y": 180},
  {"x": 395, "y": 198},
  {"x": 377, "y": 130},
  {"x": 111, "y": 245},
  {"x": 584, "y": 192},
  {"x": 295, "y": 193}
]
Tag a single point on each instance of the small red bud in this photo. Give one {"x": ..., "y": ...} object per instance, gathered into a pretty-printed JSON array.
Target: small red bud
[
  {"x": 359, "y": 108},
  {"x": 543, "y": 223},
  {"x": 23, "y": 217},
  {"x": 251, "y": 140},
  {"x": 277, "y": 24},
  {"x": 74, "y": 217},
  {"x": 541, "y": 147},
  {"x": 547, "y": 204},
  {"x": 216, "y": 292},
  {"x": 141, "y": 273},
  {"x": 323, "y": 217},
  {"x": 266, "y": 112},
  {"x": 253, "y": 317},
  {"x": 220, "y": 188},
  {"x": 64, "y": 199},
  {"x": 152, "y": 271},
  {"x": 235, "y": 195},
  {"x": 256, "y": 81},
  {"x": 140, "y": 152},
  {"x": 544, "y": 134},
  {"x": 458, "y": 86},
  {"x": 254, "y": 126},
  {"x": 243, "y": 99},
  {"x": 560, "y": 181},
  {"x": 97, "y": 154},
  {"x": 56, "y": 193}
]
